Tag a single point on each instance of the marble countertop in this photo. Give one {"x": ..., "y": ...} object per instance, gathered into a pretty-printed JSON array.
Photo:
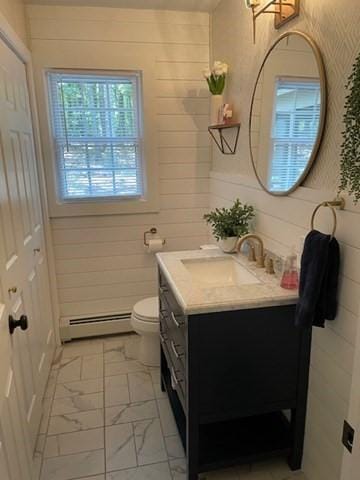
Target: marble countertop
[{"x": 196, "y": 297}]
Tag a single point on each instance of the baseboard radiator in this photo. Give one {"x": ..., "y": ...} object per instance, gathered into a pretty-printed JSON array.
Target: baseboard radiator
[{"x": 94, "y": 326}]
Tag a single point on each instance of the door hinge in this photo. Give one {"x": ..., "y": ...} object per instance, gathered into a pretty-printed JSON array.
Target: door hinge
[{"x": 348, "y": 436}]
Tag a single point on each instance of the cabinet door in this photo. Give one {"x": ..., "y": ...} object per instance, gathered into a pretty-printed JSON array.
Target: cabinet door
[{"x": 256, "y": 365}]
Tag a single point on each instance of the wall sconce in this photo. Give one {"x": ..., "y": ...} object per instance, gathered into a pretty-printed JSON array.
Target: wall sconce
[{"x": 284, "y": 11}]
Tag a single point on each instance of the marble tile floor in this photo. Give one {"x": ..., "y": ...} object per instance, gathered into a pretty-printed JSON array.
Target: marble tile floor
[{"x": 105, "y": 418}]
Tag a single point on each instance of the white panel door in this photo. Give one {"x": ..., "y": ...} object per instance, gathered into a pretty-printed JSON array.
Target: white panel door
[
  {"x": 15, "y": 445},
  {"x": 4, "y": 470},
  {"x": 25, "y": 354}
]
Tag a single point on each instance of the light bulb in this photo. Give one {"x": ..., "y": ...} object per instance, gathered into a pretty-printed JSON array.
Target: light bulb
[{"x": 251, "y": 3}]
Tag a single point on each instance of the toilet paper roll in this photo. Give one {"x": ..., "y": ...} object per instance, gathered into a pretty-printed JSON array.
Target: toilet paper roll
[{"x": 155, "y": 245}]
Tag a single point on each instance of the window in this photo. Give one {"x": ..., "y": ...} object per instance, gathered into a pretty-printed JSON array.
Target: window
[
  {"x": 294, "y": 130},
  {"x": 97, "y": 134}
]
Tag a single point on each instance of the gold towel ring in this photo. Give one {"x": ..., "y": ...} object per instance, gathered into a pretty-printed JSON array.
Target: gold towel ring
[{"x": 325, "y": 204}]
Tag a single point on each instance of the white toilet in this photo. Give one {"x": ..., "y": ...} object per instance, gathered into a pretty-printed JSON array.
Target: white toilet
[{"x": 145, "y": 322}]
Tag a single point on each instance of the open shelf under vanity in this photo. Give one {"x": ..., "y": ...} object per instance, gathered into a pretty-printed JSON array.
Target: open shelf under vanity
[{"x": 237, "y": 441}]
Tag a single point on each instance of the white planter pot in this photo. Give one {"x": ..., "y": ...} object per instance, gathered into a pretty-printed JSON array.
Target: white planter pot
[
  {"x": 228, "y": 245},
  {"x": 216, "y": 102}
]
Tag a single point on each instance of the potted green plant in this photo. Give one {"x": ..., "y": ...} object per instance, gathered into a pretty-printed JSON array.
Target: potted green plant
[{"x": 229, "y": 224}]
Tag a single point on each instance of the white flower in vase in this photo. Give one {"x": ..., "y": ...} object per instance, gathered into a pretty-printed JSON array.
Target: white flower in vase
[{"x": 215, "y": 77}]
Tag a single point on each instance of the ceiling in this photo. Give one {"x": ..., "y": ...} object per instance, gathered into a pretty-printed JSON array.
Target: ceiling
[{"x": 185, "y": 5}]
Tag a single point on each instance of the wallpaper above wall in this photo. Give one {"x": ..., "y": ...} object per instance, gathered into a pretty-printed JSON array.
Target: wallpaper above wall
[{"x": 234, "y": 45}]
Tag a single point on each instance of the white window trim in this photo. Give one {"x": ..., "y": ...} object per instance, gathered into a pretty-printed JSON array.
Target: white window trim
[
  {"x": 135, "y": 78},
  {"x": 149, "y": 202}
]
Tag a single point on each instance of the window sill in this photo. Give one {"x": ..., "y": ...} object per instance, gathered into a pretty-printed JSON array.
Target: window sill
[{"x": 105, "y": 207}]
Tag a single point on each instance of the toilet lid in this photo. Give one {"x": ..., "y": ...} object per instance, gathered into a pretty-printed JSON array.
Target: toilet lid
[{"x": 147, "y": 310}]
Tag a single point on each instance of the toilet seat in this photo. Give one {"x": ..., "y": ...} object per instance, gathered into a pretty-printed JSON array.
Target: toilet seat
[
  {"x": 147, "y": 310},
  {"x": 142, "y": 328}
]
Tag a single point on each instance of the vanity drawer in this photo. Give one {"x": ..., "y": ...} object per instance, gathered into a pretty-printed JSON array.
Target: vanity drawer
[
  {"x": 174, "y": 338},
  {"x": 177, "y": 374},
  {"x": 171, "y": 316},
  {"x": 178, "y": 383},
  {"x": 166, "y": 293},
  {"x": 174, "y": 323}
]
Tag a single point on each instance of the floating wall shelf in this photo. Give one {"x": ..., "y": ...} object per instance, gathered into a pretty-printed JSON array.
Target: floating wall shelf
[{"x": 220, "y": 140}]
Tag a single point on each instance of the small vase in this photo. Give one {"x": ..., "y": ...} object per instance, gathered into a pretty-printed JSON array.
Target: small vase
[
  {"x": 228, "y": 244},
  {"x": 216, "y": 103}
]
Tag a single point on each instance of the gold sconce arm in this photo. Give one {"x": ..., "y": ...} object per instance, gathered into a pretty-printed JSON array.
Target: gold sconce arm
[{"x": 284, "y": 11}]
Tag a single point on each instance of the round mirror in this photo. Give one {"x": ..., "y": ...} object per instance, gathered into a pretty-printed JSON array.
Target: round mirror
[{"x": 287, "y": 113}]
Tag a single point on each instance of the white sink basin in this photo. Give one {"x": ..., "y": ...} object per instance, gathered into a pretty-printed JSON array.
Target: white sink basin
[{"x": 221, "y": 272}]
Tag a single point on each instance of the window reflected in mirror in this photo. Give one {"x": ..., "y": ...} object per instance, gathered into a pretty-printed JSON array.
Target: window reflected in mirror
[
  {"x": 294, "y": 130},
  {"x": 287, "y": 113}
]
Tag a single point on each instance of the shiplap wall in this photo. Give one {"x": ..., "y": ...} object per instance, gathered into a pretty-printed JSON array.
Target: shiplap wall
[
  {"x": 282, "y": 221},
  {"x": 14, "y": 12},
  {"x": 101, "y": 265}
]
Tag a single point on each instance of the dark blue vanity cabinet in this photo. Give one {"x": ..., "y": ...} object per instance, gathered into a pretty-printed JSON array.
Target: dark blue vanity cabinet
[{"x": 237, "y": 382}]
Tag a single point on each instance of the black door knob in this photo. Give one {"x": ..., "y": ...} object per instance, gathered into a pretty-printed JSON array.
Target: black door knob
[{"x": 22, "y": 323}]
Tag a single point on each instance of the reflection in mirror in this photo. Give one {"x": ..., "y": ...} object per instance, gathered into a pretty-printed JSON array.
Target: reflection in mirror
[{"x": 287, "y": 113}]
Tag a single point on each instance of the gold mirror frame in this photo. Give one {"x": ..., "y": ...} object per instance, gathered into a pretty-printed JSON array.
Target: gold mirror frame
[{"x": 323, "y": 84}]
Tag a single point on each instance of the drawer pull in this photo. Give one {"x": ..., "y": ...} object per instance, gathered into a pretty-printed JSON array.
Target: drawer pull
[
  {"x": 173, "y": 347},
  {"x": 163, "y": 289},
  {"x": 177, "y": 324},
  {"x": 174, "y": 377}
]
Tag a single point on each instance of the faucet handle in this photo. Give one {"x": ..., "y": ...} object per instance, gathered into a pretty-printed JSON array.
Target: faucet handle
[
  {"x": 260, "y": 261},
  {"x": 269, "y": 266}
]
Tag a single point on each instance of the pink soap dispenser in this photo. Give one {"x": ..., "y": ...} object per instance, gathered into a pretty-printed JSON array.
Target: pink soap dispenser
[{"x": 290, "y": 276}]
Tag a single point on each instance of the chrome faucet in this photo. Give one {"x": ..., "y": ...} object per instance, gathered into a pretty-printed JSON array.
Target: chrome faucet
[{"x": 260, "y": 258}]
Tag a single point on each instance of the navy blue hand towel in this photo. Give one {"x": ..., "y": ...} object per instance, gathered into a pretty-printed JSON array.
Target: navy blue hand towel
[{"x": 318, "y": 280}]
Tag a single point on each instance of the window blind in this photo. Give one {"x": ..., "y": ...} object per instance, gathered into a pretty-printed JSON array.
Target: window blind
[
  {"x": 96, "y": 131},
  {"x": 294, "y": 130}
]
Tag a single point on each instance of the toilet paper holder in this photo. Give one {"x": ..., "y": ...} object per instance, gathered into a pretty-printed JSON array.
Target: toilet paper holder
[{"x": 152, "y": 231}]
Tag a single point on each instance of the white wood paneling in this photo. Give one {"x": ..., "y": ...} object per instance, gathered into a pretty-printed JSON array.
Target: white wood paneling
[
  {"x": 101, "y": 264},
  {"x": 281, "y": 222},
  {"x": 182, "y": 89},
  {"x": 104, "y": 249},
  {"x": 182, "y": 171},
  {"x": 184, "y": 155},
  {"x": 14, "y": 12},
  {"x": 197, "y": 200},
  {"x": 162, "y": 14},
  {"x": 109, "y": 31},
  {"x": 184, "y": 139},
  {"x": 181, "y": 106},
  {"x": 101, "y": 235},
  {"x": 183, "y": 123},
  {"x": 351, "y": 460},
  {"x": 179, "y": 215},
  {"x": 113, "y": 277}
]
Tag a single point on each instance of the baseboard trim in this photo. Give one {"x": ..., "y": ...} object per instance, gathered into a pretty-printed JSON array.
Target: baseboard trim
[{"x": 70, "y": 332}]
